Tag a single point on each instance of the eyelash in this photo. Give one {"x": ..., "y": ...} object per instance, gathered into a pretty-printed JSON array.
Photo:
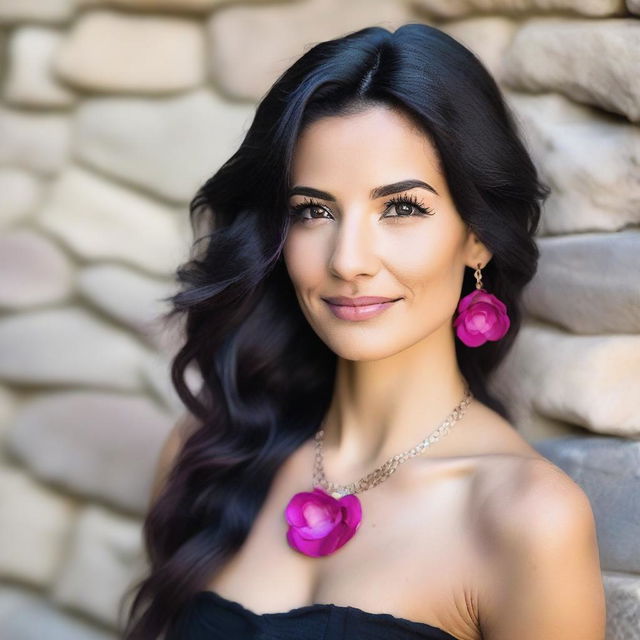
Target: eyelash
[{"x": 411, "y": 200}]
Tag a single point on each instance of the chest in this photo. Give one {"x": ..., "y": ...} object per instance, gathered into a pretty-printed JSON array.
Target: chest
[{"x": 413, "y": 555}]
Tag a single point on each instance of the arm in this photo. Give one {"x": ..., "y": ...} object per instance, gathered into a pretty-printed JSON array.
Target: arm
[{"x": 548, "y": 583}]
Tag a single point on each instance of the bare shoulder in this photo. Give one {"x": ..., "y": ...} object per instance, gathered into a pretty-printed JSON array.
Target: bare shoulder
[
  {"x": 541, "y": 573},
  {"x": 184, "y": 426},
  {"x": 533, "y": 497},
  {"x": 523, "y": 492}
]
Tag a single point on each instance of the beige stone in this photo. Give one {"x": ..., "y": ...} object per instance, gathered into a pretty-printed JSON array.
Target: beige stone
[
  {"x": 583, "y": 380},
  {"x": 3, "y": 47},
  {"x": 588, "y": 159},
  {"x": 487, "y": 36},
  {"x": 456, "y": 8},
  {"x": 167, "y": 146},
  {"x": 122, "y": 52},
  {"x": 24, "y": 615},
  {"x": 107, "y": 545},
  {"x": 35, "y": 525},
  {"x": 100, "y": 220},
  {"x": 590, "y": 61},
  {"x": 33, "y": 141},
  {"x": 21, "y": 191},
  {"x": 96, "y": 445},
  {"x": 534, "y": 427},
  {"x": 281, "y": 33},
  {"x": 8, "y": 407},
  {"x": 33, "y": 271},
  {"x": 67, "y": 346},
  {"x": 48, "y": 11},
  {"x": 30, "y": 81},
  {"x": 127, "y": 296},
  {"x": 156, "y": 370},
  {"x": 183, "y": 6}
]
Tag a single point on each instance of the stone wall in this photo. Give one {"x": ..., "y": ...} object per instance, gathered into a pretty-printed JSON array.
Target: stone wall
[{"x": 112, "y": 112}]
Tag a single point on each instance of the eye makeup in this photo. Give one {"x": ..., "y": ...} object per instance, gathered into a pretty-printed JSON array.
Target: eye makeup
[{"x": 409, "y": 201}]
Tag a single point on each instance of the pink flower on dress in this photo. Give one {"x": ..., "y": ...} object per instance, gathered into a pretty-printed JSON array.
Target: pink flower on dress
[
  {"x": 482, "y": 317},
  {"x": 319, "y": 524}
]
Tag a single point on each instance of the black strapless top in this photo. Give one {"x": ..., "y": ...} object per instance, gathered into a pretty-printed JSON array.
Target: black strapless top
[{"x": 209, "y": 616}]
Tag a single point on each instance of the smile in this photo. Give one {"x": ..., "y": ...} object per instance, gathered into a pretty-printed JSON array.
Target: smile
[{"x": 361, "y": 312}]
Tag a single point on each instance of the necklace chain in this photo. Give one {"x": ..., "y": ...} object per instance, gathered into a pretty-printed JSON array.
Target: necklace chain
[{"x": 389, "y": 467}]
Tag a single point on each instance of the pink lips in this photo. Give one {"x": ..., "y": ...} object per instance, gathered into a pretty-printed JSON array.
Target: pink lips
[
  {"x": 361, "y": 308},
  {"x": 358, "y": 302}
]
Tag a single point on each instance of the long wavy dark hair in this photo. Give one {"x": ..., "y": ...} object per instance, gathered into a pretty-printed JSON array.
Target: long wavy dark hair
[{"x": 265, "y": 378}]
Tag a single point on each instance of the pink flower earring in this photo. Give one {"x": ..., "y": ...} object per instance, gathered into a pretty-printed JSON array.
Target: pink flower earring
[{"x": 481, "y": 317}]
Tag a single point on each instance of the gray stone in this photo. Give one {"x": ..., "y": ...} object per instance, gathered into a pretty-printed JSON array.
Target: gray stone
[
  {"x": 623, "y": 605},
  {"x": 571, "y": 143},
  {"x": 583, "y": 282},
  {"x": 107, "y": 545},
  {"x": 129, "y": 297},
  {"x": 487, "y": 36},
  {"x": 591, "y": 61},
  {"x": 607, "y": 470},
  {"x": 21, "y": 192},
  {"x": 67, "y": 346},
  {"x": 281, "y": 33},
  {"x": 456, "y": 8},
  {"x": 583, "y": 380},
  {"x": 112, "y": 51},
  {"x": 32, "y": 141},
  {"x": 100, "y": 220},
  {"x": 33, "y": 271},
  {"x": 48, "y": 11},
  {"x": 634, "y": 6},
  {"x": 168, "y": 146},
  {"x": 29, "y": 80},
  {"x": 99, "y": 445},
  {"x": 35, "y": 524},
  {"x": 27, "y": 616}
]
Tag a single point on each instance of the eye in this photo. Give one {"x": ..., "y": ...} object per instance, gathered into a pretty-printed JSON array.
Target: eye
[
  {"x": 296, "y": 210},
  {"x": 402, "y": 203}
]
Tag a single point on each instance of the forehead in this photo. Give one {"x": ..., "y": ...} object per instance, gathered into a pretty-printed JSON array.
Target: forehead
[{"x": 364, "y": 149}]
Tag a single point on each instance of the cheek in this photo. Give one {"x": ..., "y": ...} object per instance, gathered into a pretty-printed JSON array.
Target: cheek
[
  {"x": 304, "y": 261},
  {"x": 428, "y": 265},
  {"x": 417, "y": 254}
]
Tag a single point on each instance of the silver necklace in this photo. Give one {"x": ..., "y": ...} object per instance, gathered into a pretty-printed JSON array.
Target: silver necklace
[{"x": 323, "y": 520}]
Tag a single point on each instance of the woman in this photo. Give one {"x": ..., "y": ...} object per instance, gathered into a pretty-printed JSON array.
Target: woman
[{"x": 344, "y": 472}]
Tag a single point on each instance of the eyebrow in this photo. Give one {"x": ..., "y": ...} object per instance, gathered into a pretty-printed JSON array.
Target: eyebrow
[{"x": 378, "y": 192}]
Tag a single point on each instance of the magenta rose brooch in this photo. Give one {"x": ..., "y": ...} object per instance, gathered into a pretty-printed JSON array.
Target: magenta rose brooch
[
  {"x": 319, "y": 524},
  {"x": 482, "y": 317}
]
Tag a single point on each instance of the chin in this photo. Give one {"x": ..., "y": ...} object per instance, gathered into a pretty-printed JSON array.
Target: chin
[{"x": 361, "y": 348}]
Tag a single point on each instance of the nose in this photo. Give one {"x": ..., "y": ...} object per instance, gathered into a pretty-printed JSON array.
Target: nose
[{"x": 353, "y": 250}]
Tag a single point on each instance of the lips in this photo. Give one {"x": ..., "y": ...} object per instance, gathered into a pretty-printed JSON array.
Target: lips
[
  {"x": 358, "y": 302},
  {"x": 359, "y": 309}
]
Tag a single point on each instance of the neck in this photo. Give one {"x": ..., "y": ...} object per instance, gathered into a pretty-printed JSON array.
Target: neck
[{"x": 383, "y": 407}]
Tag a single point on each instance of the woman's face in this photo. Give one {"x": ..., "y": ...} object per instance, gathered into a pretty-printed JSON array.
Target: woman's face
[{"x": 351, "y": 242}]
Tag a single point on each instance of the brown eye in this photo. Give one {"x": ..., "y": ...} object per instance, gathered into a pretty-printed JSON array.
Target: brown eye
[
  {"x": 297, "y": 210},
  {"x": 405, "y": 204}
]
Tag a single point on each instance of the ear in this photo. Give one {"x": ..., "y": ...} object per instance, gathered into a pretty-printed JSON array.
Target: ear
[{"x": 475, "y": 251}]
